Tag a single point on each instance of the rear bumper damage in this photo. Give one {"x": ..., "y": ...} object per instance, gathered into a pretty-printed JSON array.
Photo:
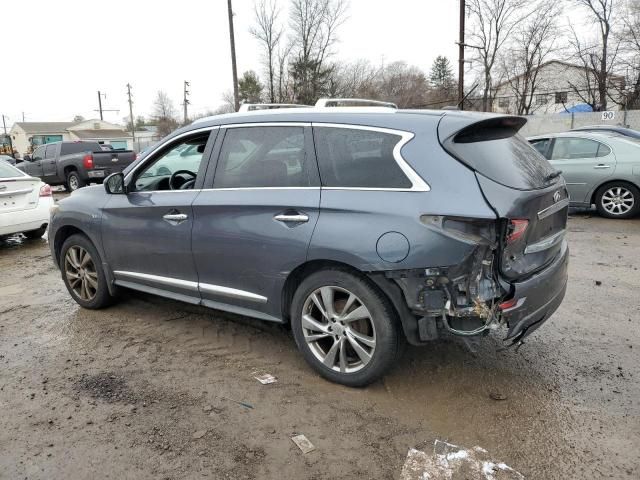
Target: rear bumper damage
[{"x": 536, "y": 298}]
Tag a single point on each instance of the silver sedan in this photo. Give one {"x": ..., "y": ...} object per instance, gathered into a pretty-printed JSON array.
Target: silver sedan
[{"x": 599, "y": 168}]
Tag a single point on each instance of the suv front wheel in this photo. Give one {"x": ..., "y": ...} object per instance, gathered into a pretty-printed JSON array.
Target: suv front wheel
[
  {"x": 345, "y": 328},
  {"x": 83, "y": 274}
]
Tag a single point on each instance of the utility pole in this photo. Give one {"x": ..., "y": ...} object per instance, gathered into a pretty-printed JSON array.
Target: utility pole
[
  {"x": 100, "y": 104},
  {"x": 8, "y": 136},
  {"x": 236, "y": 100},
  {"x": 185, "y": 100},
  {"x": 461, "y": 57},
  {"x": 22, "y": 117},
  {"x": 133, "y": 122}
]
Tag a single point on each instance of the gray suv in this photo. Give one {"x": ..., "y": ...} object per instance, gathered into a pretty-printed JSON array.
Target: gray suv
[{"x": 361, "y": 228}]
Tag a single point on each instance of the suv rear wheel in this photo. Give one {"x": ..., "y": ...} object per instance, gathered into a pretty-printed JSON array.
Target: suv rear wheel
[
  {"x": 345, "y": 328},
  {"x": 618, "y": 200},
  {"x": 83, "y": 274}
]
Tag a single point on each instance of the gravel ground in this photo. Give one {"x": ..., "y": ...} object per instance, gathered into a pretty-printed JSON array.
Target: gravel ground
[{"x": 152, "y": 388}]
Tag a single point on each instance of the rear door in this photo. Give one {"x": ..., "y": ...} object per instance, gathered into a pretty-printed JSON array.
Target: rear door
[
  {"x": 49, "y": 167},
  {"x": 584, "y": 163},
  {"x": 34, "y": 167},
  {"x": 147, "y": 232},
  {"x": 17, "y": 190},
  {"x": 253, "y": 222}
]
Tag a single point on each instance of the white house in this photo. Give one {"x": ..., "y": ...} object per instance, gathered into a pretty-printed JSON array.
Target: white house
[
  {"x": 554, "y": 91},
  {"x": 26, "y": 135}
]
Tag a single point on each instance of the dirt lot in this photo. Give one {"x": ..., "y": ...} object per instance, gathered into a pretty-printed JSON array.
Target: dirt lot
[{"x": 152, "y": 388}]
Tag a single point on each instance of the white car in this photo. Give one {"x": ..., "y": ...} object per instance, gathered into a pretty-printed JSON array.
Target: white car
[{"x": 24, "y": 203}]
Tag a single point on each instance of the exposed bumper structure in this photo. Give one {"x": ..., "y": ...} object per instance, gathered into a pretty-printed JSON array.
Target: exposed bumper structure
[{"x": 537, "y": 298}]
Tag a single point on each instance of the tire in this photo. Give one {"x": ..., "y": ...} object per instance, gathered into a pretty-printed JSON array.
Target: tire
[
  {"x": 90, "y": 272},
  {"x": 618, "y": 200},
  {"x": 74, "y": 182},
  {"x": 333, "y": 339},
  {"x": 35, "y": 234}
]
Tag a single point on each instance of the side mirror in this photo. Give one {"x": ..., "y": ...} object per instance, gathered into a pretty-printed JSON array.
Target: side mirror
[
  {"x": 27, "y": 158},
  {"x": 114, "y": 184}
]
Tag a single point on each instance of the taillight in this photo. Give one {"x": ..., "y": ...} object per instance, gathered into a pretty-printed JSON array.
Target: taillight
[
  {"x": 87, "y": 161},
  {"x": 45, "y": 191},
  {"x": 516, "y": 230}
]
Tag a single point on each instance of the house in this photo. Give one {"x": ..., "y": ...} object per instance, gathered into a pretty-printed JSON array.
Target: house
[
  {"x": 556, "y": 83},
  {"x": 26, "y": 135}
]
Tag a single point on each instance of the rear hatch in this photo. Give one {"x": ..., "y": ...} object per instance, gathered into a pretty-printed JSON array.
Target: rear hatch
[
  {"x": 17, "y": 191},
  {"x": 526, "y": 192}
]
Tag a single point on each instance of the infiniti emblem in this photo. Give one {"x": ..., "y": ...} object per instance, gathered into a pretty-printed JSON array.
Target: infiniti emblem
[{"x": 556, "y": 197}]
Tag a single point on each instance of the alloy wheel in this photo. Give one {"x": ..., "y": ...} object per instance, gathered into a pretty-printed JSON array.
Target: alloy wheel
[
  {"x": 617, "y": 200},
  {"x": 73, "y": 183},
  {"x": 338, "y": 329},
  {"x": 81, "y": 273}
]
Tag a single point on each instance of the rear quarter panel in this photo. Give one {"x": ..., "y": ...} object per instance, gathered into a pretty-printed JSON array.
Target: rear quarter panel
[{"x": 351, "y": 222}]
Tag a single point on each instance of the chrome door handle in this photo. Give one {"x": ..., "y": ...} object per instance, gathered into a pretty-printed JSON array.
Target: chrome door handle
[
  {"x": 602, "y": 165},
  {"x": 295, "y": 218},
  {"x": 175, "y": 217}
]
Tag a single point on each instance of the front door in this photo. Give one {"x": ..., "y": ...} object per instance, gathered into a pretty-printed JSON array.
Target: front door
[
  {"x": 147, "y": 232},
  {"x": 253, "y": 225},
  {"x": 584, "y": 163}
]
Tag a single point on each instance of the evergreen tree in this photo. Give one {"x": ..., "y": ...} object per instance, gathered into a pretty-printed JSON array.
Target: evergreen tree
[
  {"x": 441, "y": 75},
  {"x": 250, "y": 88}
]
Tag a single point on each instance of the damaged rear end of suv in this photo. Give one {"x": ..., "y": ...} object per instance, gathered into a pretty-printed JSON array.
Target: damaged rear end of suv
[{"x": 514, "y": 269}]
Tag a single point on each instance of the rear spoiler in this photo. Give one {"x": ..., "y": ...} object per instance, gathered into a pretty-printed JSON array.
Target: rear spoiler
[{"x": 472, "y": 127}]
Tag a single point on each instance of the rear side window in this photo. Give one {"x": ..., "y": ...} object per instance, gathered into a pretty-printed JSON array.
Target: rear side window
[
  {"x": 499, "y": 153},
  {"x": 79, "y": 147},
  {"x": 358, "y": 158},
  {"x": 51, "y": 151},
  {"x": 574, "y": 148},
  {"x": 542, "y": 145},
  {"x": 262, "y": 157}
]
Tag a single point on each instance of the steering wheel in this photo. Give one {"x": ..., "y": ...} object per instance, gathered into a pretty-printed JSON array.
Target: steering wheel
[{"x": 189, "y": 182}]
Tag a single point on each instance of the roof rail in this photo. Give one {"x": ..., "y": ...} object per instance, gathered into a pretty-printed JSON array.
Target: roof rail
[
  {"x": 349, "y": 102},
  {"x": 248, "y": 107}
]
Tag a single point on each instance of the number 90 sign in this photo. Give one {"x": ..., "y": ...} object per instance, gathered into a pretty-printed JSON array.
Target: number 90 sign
[{"x": 608, "y": 115}]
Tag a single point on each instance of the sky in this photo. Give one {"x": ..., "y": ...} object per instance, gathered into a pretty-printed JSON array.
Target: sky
[{"x": 58, "y": 54}]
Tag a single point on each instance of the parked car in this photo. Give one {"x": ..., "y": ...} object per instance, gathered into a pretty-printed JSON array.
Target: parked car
[
  {"x": 625, "y": 132},
  {"x": 24, "y": 203},
  {"x": 75, "y": 164},
  {"x": 600, "y": 168},
  {"x": 362, "y": 228}
]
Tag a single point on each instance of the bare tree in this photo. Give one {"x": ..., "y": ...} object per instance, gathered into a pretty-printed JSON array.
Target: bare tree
[
  {"x": 314, "y": 25},
  {"x": 627, "y": 92},
  {"x": 533, "y": 41},
  {"x": 493, "y": 21},
  {"x": 597, "y": 60},
  {"x": 405, "y": 85},
  {"x": 164, "y": 113},
  {"x": 268, "y": 33}
]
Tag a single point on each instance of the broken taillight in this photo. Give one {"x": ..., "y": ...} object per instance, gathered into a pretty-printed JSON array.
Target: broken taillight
[{"x": 516, "y": 230}]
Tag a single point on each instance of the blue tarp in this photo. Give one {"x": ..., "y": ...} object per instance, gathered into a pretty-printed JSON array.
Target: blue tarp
[{"x": 579, "y": 108}]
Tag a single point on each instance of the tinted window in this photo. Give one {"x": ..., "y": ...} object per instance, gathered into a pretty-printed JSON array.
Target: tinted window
[
  {"x": 570, "y": 148},
  {"x": 76, "y": 147},
  {"x": 511, "y": 161},
  {"x": 183, "y": 155},
  {"x": 38, "y": 154},
  {"x": 603, "y": 150},
  {"x": 358, "y": 158},
  {"x": 262, "y": 157},
  {"x": 51, "y": 151},
  {"x": 7, "y": 171}
]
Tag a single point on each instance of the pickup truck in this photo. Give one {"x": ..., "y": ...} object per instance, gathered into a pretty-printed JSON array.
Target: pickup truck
[{"x": 75, "y": 164}]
